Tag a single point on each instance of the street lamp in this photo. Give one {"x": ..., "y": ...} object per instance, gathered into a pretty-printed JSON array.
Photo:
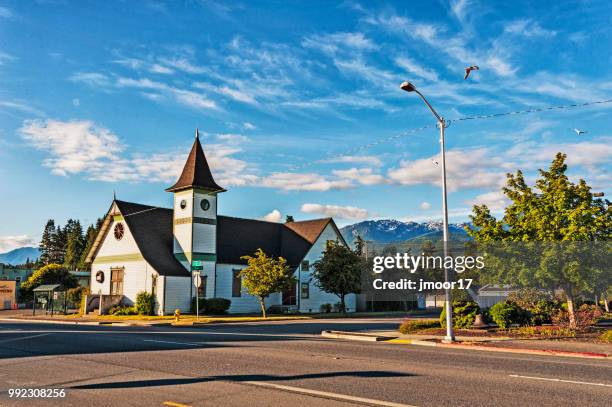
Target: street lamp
[{"x": 450, "y": 336}]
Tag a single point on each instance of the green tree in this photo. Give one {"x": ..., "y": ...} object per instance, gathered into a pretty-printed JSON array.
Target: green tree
[
  {"x": 265, "y": 275},
  {"x": 49, "y": 274},
  {"x": 339, "y": 271},
  {"x": 90, "y": 237},
  {"x": 556, "y": 210},
  {"x": 75, "y": 243},
  {"x": 45, "y": 242},
  {"x": 289, "y": 219}
]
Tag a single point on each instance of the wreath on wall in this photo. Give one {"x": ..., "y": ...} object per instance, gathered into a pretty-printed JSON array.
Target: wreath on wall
[{"x": 100, "y": 276}]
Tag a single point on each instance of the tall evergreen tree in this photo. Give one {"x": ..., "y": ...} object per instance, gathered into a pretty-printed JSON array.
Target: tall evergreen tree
[
  {"x": 45, "y": 245},
  {"x": 90, "y": 236},
  {"x": 74, "y": 244}
]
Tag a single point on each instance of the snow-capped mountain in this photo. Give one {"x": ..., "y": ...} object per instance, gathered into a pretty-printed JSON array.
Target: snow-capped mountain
[{"x": 390, "y": 230}]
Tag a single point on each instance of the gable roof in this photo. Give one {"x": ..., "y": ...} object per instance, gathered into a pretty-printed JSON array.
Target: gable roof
[
  {"x": 152, "y": 230},
  {"x": 236, "y": 237},
  {"x": 196, "y": 172}
]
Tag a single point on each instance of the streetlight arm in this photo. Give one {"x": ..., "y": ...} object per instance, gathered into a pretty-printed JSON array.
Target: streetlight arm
[{"x": 430, "y": 107}]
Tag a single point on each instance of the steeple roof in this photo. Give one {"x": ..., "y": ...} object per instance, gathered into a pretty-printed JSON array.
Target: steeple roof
[{"x": 196, "y": 173}]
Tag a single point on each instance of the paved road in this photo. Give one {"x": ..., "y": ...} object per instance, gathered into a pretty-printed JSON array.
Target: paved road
[{"x": 282, "y": 363}]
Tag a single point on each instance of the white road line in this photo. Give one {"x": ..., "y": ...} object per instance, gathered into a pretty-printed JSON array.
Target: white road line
[
  {"x": 23, "y": 337},
  {"x": 174, "y": 343},
  {"x": 326, "y": 394},
  {"x": 552, "y": 379}
]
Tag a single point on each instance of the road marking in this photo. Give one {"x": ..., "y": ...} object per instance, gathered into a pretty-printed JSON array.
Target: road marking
[
  {"x": 174, "y": 343},
  {"x": 173, "y": 404},
  {"x": 326, "y": 394},
  {"x": 23, "y": 337},
  {"x": 560, "y": 380}
]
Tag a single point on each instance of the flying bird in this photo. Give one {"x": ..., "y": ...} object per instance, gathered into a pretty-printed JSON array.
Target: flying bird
[
  {"x": 579, "y": 132},
  {"x": 434, "y": 161},
  {"x": 469, "y": 69}
]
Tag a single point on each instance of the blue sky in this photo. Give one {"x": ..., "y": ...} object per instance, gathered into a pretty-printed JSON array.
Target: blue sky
[{"x": 289, "y": 97}]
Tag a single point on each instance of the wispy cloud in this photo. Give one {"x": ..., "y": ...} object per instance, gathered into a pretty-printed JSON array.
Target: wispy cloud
[
  {"x": 528, "y": 28},
  {"x": 5, "y": 12}
]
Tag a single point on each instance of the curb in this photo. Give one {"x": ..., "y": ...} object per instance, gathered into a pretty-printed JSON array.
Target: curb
[
  {"x": 394, "y": 340},
  {"x": 62, "y": 322},
  {"x": 355, "y": 336}
]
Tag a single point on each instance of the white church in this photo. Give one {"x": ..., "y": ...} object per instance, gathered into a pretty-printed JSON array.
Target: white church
[{"x": 147, "y": 248}]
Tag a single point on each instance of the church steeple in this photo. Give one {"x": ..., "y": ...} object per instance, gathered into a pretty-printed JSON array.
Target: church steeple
[{"x": 196, "y": 172}]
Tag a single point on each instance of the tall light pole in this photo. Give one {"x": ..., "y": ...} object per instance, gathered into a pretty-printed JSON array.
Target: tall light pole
[{"x": 450, "y": 335}]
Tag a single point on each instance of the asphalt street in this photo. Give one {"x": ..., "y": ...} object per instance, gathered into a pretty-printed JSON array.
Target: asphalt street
[{"x": 278, "y": 363}]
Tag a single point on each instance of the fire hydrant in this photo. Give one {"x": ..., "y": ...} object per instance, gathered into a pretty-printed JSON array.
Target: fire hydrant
[{"x": 177, "y": 315}]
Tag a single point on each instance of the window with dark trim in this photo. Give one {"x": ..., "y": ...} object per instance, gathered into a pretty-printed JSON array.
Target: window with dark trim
[
  {"x": 305, "y": 291},
  {"x": 236, "y": 283},
  {"x": 305, "y": 265}
]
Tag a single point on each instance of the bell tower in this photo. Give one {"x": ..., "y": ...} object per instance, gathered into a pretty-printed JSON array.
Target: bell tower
[{"x": 195, "y": 216}]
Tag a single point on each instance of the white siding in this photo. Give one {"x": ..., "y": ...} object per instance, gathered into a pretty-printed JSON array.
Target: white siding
[
  {"x": 182, "y": 238},
  {"x": 113, "y": 247},
  {"x": 246, "y": 303},
  {"x": 204, "y": 240},
  {"x": 136, "y": 278},
  {"x": 198, "y": 212},
  {"x": 177, "y": 291},
  {"x": 318, "y": 297}
]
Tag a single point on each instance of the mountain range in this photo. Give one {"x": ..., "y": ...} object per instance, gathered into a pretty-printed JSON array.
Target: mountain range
[
  {"x": 20, "y": 255},
  {"x": 394, "y": 231}
]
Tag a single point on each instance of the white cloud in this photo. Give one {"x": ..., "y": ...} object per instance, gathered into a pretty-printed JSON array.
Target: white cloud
[
  {"x": 22, "y": 107},
  {"x": 364, "y": 176},
  {"x": 274, "y": 216},
  {"x": 496, "y": 201},
  {"x": 185, "y": 97},
  {"x": 416, "y": 69},
  {"x": 76, "y": 102},
  {"x": 341, "y": 212},
  {"x": 82, "y": 147},
  {"x": 290, "y": 181},
  {"x": 425, "y": 205},
  {"x": 74, "y": 146},
  {"x": 459, "y": 9},
  {"x": 248, "y": 126},
  {"x": 335, "y": 42},
  {"x": 4, "y": 57},
  {"x": 483, "y": 168},
  {"x": 8, "y": 243}
]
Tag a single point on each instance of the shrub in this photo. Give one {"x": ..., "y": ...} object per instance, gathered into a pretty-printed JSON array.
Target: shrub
[
  {"x": 543, "y": 311},
  {"x": 507, "y": 313},
  {"x": 586, "y": 316},
  {"x": 327, "y": 308},
  {"x": 145, "y": 303},
  {"x": 49, "y": 274},
  {"x": 464, "y": 314},
  {"x": 74, "y": 295},
  {"x": 410, "y": 326},
  {"x": 217, "y": 306},
  {"x": 527, "y": 298},
  {"x": 201, "y": 305},
  {"x": 547, "y": 332},
  {"x": 123, "y": 310},
  {"x": 606, "y": 336}
]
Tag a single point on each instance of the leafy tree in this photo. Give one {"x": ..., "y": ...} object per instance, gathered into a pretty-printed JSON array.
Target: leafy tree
[
  {"x": 556, "y": 210},
  {"x": 49, "y": 274},
  {"x": 265, "y": 275},
  {"x": 339, "y": 271},
  {"x": 289, "y": 219}
]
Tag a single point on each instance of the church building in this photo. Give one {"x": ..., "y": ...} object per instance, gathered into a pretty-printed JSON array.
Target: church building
[{"x": 147, "y": 248}]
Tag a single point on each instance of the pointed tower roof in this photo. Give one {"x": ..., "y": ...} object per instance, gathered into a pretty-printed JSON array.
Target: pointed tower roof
[{"x": 196, "y": 173}]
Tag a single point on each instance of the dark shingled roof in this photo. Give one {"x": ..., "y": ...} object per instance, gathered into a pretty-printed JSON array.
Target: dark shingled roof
[
  {"x": 196, "y": 172},
  {"x": 152, "y": 230},
  {"x": 236, "y": 237}
]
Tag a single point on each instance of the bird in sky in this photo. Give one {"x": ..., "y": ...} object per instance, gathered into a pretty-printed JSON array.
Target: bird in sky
[
  {"x": 579, "y": 132},
  {"x": 434, "y": 161},
  {"x": 469, "y": 69}
]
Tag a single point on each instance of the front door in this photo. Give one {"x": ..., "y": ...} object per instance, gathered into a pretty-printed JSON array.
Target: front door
[
  {"x": 116, "y": 281},
  {"x": 290, "y": 295}
]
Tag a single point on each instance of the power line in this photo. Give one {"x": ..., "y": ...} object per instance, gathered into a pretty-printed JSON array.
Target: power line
[{"x": 460, "y": 119}]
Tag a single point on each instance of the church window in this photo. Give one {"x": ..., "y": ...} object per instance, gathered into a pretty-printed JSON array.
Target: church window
[
  {"x": 119, "y": 231},
  {"x": 205, "y": 204},
  {"x": 117, "y": 281},
  {"x": 183, "y": 204}
]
